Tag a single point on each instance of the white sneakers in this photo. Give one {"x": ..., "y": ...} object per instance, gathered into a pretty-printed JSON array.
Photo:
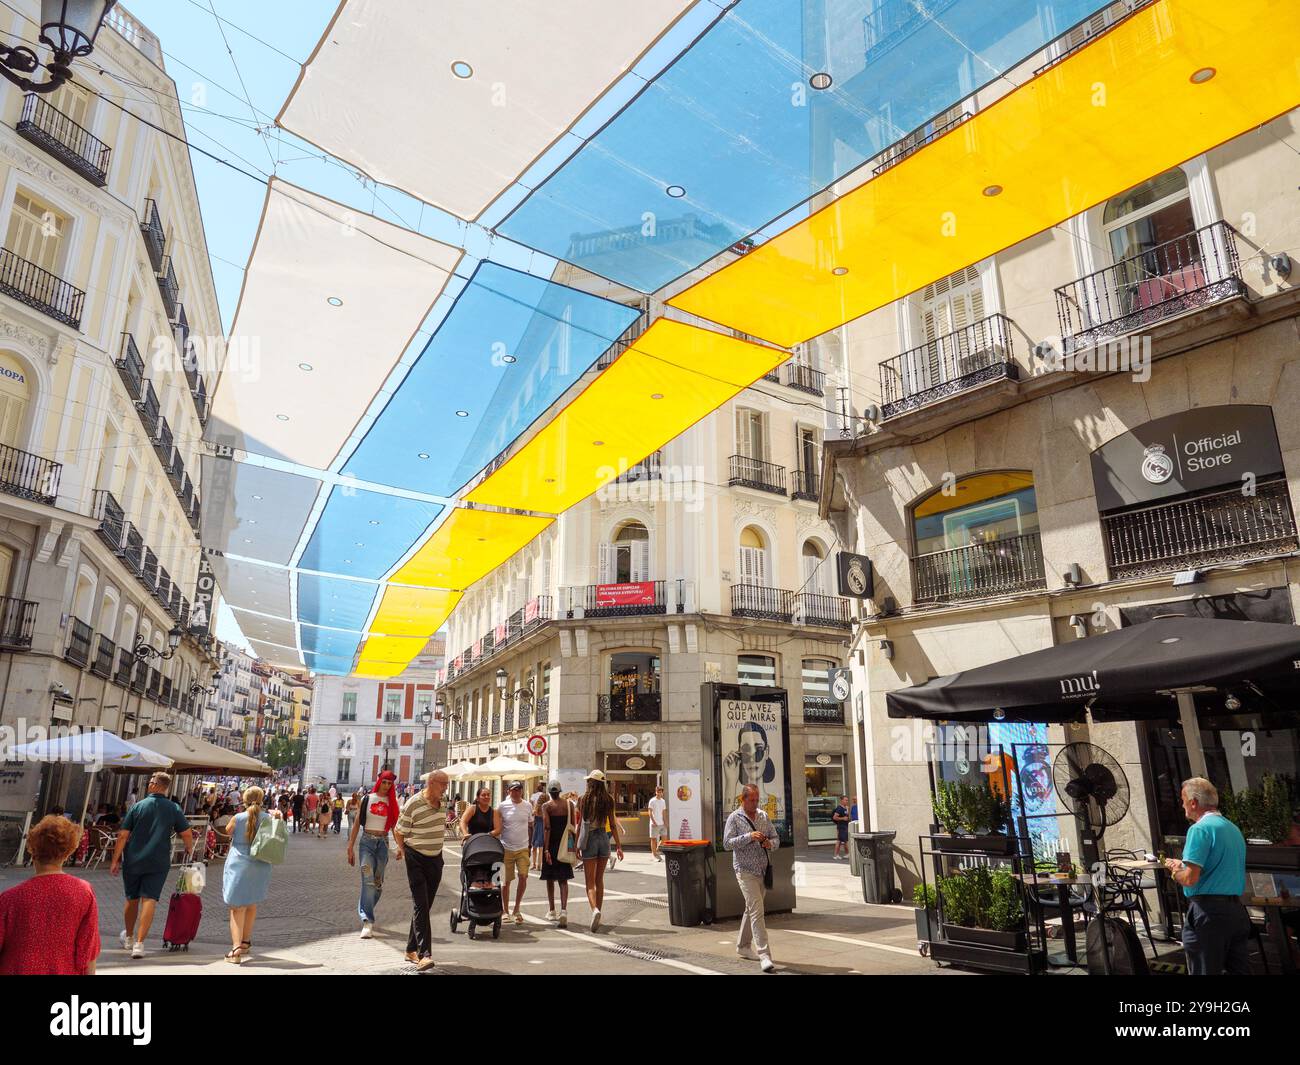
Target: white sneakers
[
  {"x": 595, "y": 920},
  {"x": 366, "y": 930},
  {"x": 137, "y": 951},
  {"x": 550, "y": 915},
  {"x": 124, "y": 937},
  {"x": 564, "y": 919},
  {"x": 745, "y": 954},
  {"x": 766, "y": 964}
]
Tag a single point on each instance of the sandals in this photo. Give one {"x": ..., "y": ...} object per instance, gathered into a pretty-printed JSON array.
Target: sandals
[{"x": 234, "y": 957}]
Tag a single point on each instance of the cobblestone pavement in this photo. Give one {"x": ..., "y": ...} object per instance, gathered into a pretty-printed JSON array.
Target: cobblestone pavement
[{"x": 309, "y": 925}]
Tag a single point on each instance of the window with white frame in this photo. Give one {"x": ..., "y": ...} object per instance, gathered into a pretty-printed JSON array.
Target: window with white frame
[
  {"x": 627, "y": 558},
  {"x": 753, "y": 567}
]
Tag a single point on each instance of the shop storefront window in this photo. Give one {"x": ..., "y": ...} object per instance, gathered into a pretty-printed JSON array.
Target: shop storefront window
[
  {"x": 758, "y": 670},
  {"x": 633, "y": 688},
  {"x": 823, "y": 776}
]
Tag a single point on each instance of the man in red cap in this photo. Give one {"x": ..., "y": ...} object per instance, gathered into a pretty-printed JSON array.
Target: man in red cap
[{"x": 374, "y": 821}]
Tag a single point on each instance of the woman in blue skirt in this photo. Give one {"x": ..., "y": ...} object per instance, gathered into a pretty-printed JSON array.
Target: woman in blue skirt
[{"x": 246, "y": 880}]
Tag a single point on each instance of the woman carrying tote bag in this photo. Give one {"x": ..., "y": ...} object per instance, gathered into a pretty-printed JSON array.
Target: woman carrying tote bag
[{"x": 559, "y": 852}]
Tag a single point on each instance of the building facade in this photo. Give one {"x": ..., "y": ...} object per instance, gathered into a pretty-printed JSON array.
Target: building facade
[
  {"x": 1053, "y": 436},
  {"x": 705, "y": 562},
  {"x": 106, "y": 300},
  {"x": 361, "y": 727}
]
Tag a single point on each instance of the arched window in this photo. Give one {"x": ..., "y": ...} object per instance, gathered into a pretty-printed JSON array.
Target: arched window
[
  {"x": 814, "y": 570},
  {"x": 1153, "y": 240},
  {"x": 978, "y": 539},
  {"x": 627, "y": 558},
  {"x": 753, "y": 568}
]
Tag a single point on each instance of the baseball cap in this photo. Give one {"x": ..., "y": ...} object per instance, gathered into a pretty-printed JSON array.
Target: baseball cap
[{"x": 515, "y": 784}]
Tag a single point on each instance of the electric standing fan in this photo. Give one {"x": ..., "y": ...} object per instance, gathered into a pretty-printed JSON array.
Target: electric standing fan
[{"x": 1093, "y": 787}]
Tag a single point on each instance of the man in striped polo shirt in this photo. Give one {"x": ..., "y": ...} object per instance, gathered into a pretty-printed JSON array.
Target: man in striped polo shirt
[{"x": 419, "y": 834}]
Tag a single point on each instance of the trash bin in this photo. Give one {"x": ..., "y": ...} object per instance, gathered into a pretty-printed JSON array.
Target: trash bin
[
  {"x": 689, "y": 865},
  {"x": 875, "y": 851}
]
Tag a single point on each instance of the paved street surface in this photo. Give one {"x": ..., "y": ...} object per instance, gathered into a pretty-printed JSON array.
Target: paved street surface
[{"x": 309, "y": 925}]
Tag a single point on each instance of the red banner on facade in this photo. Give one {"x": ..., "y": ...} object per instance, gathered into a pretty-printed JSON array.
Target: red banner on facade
[
  {"x": 499, "y": 635},
  {"x": 531, "y": 609},
  {"x": 641, "y": 593}
]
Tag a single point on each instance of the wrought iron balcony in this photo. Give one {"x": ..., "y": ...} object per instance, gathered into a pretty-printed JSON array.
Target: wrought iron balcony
[
  {"x": 130, "y": 367},
  {"x": 51, "y": 130},
  {"x": 17, "y": 623},
  {"x": 155, "y": 236},
  {"x": 757, "y": 601},
  {"x": 1187, "y": 533},
  {"x": 139, "y": 678},
  {"x": 149, "y": 569},
  {"x": 1180, "y": 275},
  {"x": 805, "y": 379},
  {"x": 649, "y": 468},
  {"x": 133, "y": 549},
  {"x": 112, "y": 521},
  {"x": 628, "y": 706},
  {"x": 626, "y": 600},
  {"x": 508, "y": 718},
  {"x": 983, "y": 351},
  {"x": 805, "y": 484},
  {"x": 543, "y": 710},
  {"x": 199, "y": 393},
  {"x": 164, "y": 444},
  {"x": 1120, "y": 10},
  {"x": 147, "y": 406},
  {"x": 29, "y": 476},
  {"x": 169, "y": 288},
  {"x": 125, "y": 664},
  {"x": 525, "y": 715},
  {"x": 154, "y": 685},
  {"x": 79, "y": 640},
  {"x": 820, "y": 710},
  {"x": 755, "y": 473},
  {"x": 41, "y": 290},
  {"x": 979, "y": 571},
  {"x": 918, "y": 139},
  {"x": 105, "y": 653},
  {"x": 814, "y": 608}
]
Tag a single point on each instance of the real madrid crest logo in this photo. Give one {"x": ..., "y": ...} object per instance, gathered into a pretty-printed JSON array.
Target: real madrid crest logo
[{"x": 1157, "y": 467}]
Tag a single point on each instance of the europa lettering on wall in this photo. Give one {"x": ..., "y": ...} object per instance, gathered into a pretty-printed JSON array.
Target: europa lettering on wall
[
  {"x": 205, "y": 586},
  {"x": 1195, "y": 450}
]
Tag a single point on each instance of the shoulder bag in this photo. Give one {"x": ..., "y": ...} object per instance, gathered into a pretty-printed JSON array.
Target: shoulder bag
[
  {"x": 568, "y": 849},
  {"x": 271, "y": 841},
  {"x": 767, "y": 873}
]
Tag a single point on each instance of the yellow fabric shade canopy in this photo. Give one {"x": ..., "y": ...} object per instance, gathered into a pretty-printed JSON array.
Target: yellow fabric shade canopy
[
  {"x": 670, "y": 378},
  {"x": 387, "y": 656},
  {"x": 1111, "y": 115},
  {"x": 467, "y": 546},
  {"x": 413, "y": 611}
]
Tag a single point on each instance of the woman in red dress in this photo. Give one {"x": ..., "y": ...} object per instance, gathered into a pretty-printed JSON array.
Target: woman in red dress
[{"x": 49, "y": 924}]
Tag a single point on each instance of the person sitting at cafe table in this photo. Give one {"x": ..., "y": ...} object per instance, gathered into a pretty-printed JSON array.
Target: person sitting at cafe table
[{"x": 1212, "y": 873}]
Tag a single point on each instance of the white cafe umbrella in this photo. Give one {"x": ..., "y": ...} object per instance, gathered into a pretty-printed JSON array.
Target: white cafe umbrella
[
  {"x": 504, "y": 768},
  {"x": 98, "y": 748},
  {"x": 460, "y": 770}
]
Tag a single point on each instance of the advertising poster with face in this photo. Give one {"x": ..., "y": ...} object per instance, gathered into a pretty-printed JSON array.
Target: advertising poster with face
[{"x": 752, "y": 750}]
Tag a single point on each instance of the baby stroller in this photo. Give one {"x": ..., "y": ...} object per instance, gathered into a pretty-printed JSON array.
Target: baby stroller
[{"x": 482, "y": 858}]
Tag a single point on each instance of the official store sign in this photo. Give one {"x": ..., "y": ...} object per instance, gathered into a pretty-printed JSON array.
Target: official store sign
[{"x": 1208, "y": 447}]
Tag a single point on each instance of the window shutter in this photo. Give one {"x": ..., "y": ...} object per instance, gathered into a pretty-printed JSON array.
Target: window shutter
[
  {"x": 606, "y": 566},
  {"x": 640, "y": 560}
]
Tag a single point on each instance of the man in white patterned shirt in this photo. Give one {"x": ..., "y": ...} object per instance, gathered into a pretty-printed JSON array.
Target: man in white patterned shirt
[
  {"x": 419, "y": 834},
  {"x": 750, "y": 837}
]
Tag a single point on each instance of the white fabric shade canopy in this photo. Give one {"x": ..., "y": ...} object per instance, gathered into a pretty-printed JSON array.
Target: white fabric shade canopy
[
  {"x": 503, "y": 767},
  {"x": 468, "y": 98},
  {"x": 97, "y": 748},
  {"x": 331, "y": 299},
  {"x": 187, "y": 753}
]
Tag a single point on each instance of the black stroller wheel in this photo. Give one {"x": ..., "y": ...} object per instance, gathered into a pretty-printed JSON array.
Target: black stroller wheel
[
  {"x": 454, "y": 921},
  {"x": 496, "y": 928}
]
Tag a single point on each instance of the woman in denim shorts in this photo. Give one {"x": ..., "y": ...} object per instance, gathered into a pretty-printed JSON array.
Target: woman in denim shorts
[{"x": 596, "y": 816}]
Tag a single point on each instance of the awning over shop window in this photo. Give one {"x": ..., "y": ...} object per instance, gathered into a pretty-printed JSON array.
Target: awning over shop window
[{"x": 1115, "y": 676}]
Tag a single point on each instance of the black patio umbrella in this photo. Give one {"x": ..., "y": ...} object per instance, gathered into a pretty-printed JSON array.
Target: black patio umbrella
[{"x": 1113, "y": 674}]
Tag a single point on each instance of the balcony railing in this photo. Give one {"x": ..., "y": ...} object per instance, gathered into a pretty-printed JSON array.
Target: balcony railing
[
  {"x": 805, "y": 379},
  {"x": 755, "y": 473},
  {"x": 627, "y": 600},
  {"x": 105, "y": 653},
  {"x": 1187, "y": 533},
  {"x": 154, "y": 686},
  {"x": 543, "y": 710},
  {"x": 79, "y": 640},
  {"x": 805, "y": 484},
  {"x": 1089, "y": 31},
  {"x": 983, "y": 351},
  {"x": 1191, "y": 271},
  {"x": 125, "y": 663},
  {"x": 155, "y": 236},
  {"x": 649, "y": 468},
  {"x": 147, "y": 406},
  {"x": 112, "y": 521},
  {"x": 508, "y": 718},
  {"x": 525, "y": 715},
  {"x": 628, "y": 706},
  {"x": 130, "y": 367},
  {"x": 29, "y": 476},
  {"x": 149, "y": 569},
  {"x": 756, "y": 601},
  {"x": 918, "y": 139},
  {"x": 822, "y": 710},
  {"x": 814, "y": 608},
  {"x": 133, "y": 549},
  {"x": 50, "y": 129},
  {"x": 41, "y": 290},
  {"x": 979, "y": 571},
  {"x": 139, "y": 678},
  {"x": 169, "y": 288},
  {"x": 17, "y": 623},
  {"x": 163, "y": 442}
]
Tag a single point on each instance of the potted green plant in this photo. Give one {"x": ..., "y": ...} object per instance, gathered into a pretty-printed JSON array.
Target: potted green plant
[
  {"x": 973, "y": 818},
  {"x": 983, "y": 907},
  {"x": 925, "y": 900},
  {"x": 1265, "y": 816}
]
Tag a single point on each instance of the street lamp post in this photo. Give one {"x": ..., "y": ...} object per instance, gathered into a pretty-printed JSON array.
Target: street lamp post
[
  {"x": 426, "y": 719},
  {"x": 68, "y": 29}
]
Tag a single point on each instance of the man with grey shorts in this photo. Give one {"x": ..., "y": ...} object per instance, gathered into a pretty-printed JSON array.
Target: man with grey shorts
[{"x": 658, "y": 808}]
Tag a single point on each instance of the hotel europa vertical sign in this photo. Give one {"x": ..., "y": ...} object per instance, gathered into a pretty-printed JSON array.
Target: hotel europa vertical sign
[
  {"x": 205, "y": 587},
  {"x": 1207, "y": 447}
]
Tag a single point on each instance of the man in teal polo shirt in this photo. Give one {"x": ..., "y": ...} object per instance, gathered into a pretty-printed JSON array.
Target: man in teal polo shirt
[
  {"x": 1212, "y": 872},
  {"x": 145, "y": 839}
]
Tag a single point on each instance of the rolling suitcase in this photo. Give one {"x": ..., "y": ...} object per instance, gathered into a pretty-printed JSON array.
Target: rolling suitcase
[{"x": 183, "y": 915}]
